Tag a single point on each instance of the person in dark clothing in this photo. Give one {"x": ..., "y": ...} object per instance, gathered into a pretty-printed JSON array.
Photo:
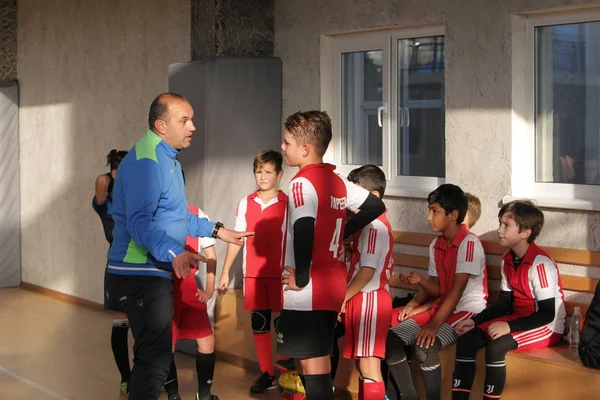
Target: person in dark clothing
[{"x": 102, "y": 205}]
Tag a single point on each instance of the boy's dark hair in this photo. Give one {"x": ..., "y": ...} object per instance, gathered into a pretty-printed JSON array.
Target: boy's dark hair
[
  {"x": 269, "y": 157},
  {"x": 370, "y": 177},
  {"x": 526, "y": 215},
  {"x": 473, "y": 208},
  {"x": 312, "y": 127},
  {"x": 114, "y": 158},
  {"x": 160, "y": 107},
  {"x": 450, "y": 197}
]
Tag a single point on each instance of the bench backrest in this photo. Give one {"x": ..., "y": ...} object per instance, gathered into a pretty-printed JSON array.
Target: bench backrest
[{"x": 585, "y": 258}]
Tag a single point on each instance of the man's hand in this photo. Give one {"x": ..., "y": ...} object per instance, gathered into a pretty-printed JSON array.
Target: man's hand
[
  {"x": 289, "y": 279},
  {"x": 205, "y": 295},
  {"x": 426, "y": 336},
  {"x": 411, "y": 278},
  {"x": 182, "y": 263},
  {"x": 464, "y": 326},
  {"x": 235, "y": 237},
  {"x": 224, "y": 284},
  {"x": 498, "y": 329}
]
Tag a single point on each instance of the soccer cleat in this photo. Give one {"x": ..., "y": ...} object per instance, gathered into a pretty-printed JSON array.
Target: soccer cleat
[
  {"x": 263, "y": 383},
  {"x": 175, "y": 396},
  {"x": 290, "y": 386},
  {"x": 211, "y": 397},
  {"x": 124, "y": 389}
]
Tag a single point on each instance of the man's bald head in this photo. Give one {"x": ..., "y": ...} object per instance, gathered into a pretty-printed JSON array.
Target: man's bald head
[{"x": 159, "y": 109}]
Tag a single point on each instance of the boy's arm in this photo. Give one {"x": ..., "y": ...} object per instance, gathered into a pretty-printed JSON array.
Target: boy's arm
[
  {"x": 543, "y": 276},
  {"x": 428, "y": 333},
  {"x": 233, "y": 249},
  {"x": 302, "y": 215},
  {"x": 504, "y": 304},
  {"x": 211, "y": 270},
  {"x": 370, "y": 207},
  {"x": 373, "y": 247}
]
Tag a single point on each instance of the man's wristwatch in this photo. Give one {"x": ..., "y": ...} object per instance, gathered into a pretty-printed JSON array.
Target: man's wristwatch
[{"x": 215, "y": 230}]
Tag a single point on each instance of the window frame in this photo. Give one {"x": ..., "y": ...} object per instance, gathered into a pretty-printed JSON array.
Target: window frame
[
  {"x": 332, "y": 48},
  {"x": 523, "y": 179}
]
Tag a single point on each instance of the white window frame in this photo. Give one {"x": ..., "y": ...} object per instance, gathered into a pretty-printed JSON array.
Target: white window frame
[
  {"x": 523, "y": 182},
  {"x": 332, "y": 47}
]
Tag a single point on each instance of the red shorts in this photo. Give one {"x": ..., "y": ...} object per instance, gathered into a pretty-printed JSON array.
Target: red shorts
[
  {"x": 262, "y": 294},
  {"x": 190, "y": 316},
  {"x": 527, "y": 340},
  {"x": 367, "y": 321},
  {"x": 424, "y": 317}
]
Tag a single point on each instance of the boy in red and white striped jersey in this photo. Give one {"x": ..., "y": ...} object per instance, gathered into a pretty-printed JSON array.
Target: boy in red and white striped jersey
[
  {"x": 264, "y": 212},
  {"x": 457, "y": 282},
  {"x": 367, "y": 307},
  {"x": 314, "y": 274},
  {"x": 530, "y": 312}
]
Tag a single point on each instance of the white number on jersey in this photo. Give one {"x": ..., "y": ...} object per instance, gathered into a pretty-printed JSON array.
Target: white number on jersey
[{"x": 335, "y": 240}]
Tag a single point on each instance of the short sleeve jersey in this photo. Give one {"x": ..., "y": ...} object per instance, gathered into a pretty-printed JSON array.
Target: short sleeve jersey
[
  {"x": 318, "y": 192},
  {"x": 464, "y": 255},
  {"x": 263, "y": 252},
  {"x": 535, "y": 279},
  {"x": 372, "y": 247}
]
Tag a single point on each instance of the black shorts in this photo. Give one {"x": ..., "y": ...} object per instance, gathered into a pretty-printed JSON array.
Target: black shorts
[
  {"x": 306, "y": 334},
  {"x": 111, "y": 302}
]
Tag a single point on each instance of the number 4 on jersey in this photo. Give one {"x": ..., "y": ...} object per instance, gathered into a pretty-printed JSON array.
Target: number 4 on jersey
[{"x": 335, "y": 240}]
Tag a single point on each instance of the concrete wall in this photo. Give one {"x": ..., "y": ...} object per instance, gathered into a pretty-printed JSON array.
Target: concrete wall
[
  {"x": 88, "y": 71},
  {"x": 478, "y": 95}
]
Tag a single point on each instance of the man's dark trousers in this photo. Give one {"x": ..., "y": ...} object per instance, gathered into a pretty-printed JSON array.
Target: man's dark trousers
[{"x": 148, "y": 303}]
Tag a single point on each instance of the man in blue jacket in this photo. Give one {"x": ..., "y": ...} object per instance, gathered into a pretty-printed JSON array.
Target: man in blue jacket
[{"x": 151, "y": 223}]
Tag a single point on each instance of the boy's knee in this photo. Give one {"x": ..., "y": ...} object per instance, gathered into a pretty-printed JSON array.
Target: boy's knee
[
  {"x": 428, "y": 357},
  {"x": 394, "y": 349},
  {"x": 496, "y": 349},
  {"x": 206, "y": 345},
  {"x": 261, "y": 321}
]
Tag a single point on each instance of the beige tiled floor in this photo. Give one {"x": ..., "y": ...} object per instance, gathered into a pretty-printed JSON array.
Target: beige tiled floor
[{"x": 53, "y": 350}]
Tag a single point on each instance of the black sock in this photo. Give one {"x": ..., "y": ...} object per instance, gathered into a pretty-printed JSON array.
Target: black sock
[
  {"x": 118, "y": 342},
  {"x": 431, "y": 369},
  {"x": 464, "y": 364},
  {"x": 318, "y": 387},
  {"x": 399, "y": 367},
  {"x": 205, "y": 369},
  {"x": 495, "y": 365},
  {"x": 172, "y": 384}
]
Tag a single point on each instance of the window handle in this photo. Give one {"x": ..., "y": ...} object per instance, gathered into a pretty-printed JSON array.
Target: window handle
[
  {"x": 401, "y": 116},
  {"x": 380, "y": 111},
  {"x": 407, "y": 116}
]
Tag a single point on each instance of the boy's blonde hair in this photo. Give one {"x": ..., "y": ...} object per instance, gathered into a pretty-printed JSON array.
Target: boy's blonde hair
[
  {"x": 310, "y": 127},
  {"x": 473, "y": 209}
]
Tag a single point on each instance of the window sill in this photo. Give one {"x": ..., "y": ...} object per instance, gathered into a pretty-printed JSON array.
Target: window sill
[
  {"x": 410, "y": 193},
  {"x": 565, "y": 204}
]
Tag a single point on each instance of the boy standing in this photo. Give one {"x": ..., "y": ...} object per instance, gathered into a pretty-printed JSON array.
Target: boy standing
[
  {"x": 457, "y": 278},
  {"x": 315, "y": 276},
  {"x": 263, "y": 211},
  {"x": 368, "y": 304},
  {"x": 530, "y": 312},
  {"x": 190, "y": 317}
]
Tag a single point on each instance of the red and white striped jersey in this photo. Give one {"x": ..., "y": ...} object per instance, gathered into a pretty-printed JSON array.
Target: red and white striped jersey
[
  {"x": 372, "y": 248},
  {"x": 195, "y": 244},
  {"x": 465, "y": 255},
  {"x": 535, "y": 279},
  {"x": 318, "y": 192},
  {"x": 263, "y": 252}
]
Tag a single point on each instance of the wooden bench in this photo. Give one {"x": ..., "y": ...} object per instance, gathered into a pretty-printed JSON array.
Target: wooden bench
[{"x": 552, "y": 373}]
